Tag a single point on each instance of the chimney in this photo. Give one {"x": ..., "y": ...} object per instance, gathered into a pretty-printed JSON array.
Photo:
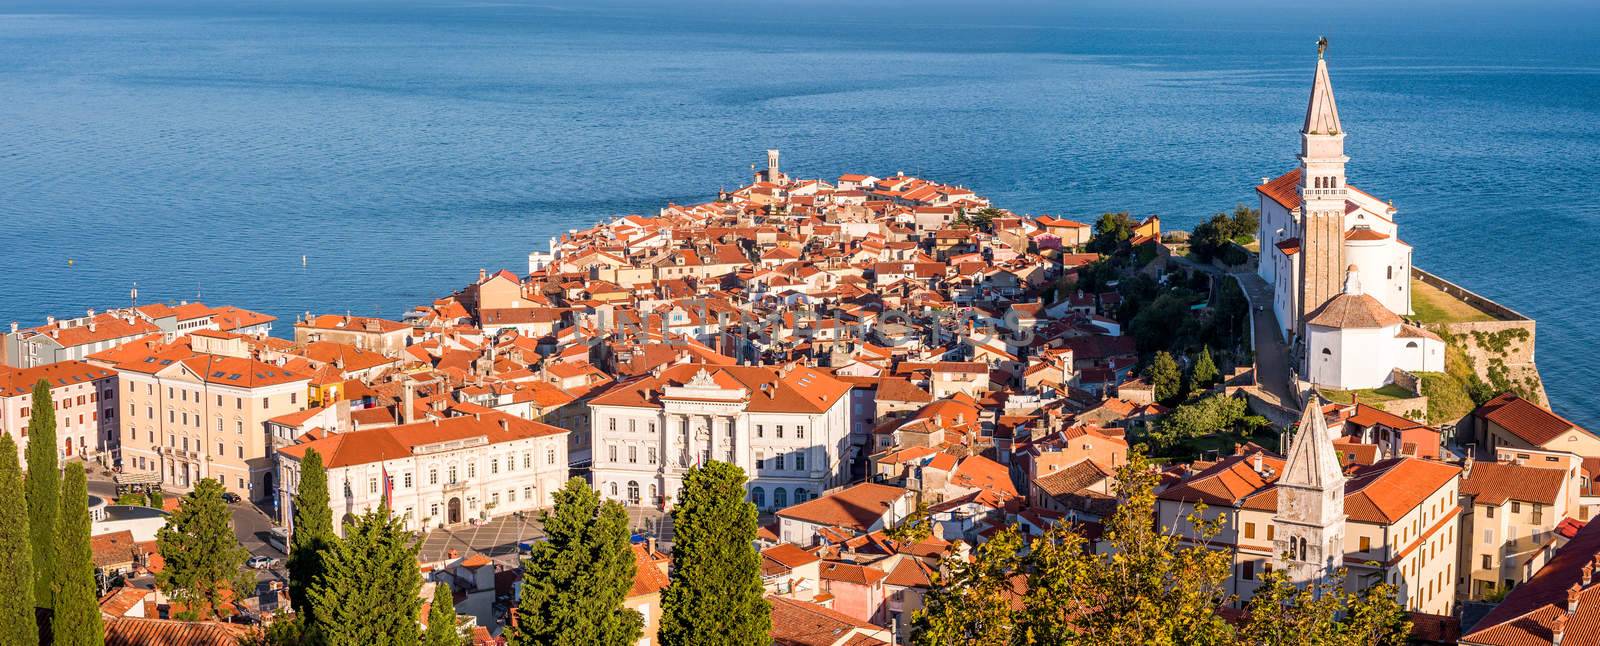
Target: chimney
[
  {"x": 1558, "y": 631},
  {"x": 1255, "y": 463},
  {"x": 91, "y": 312},
  {"x": 1572, "y": 597},
  {"x": 13, "y": 327},
  {"x": 1264, "y": 180},
  {"x": 650, "y": 544},
  {"x": 504, "y": 425},
  {"x": 482, "y": 274},
  {"x": 1594, "y": 570},
  {"x": 407, "y": 402}
]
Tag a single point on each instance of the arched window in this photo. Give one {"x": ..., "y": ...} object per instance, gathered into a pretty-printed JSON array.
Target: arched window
[
  {"x": 800, "y": 495},
  {"x": 1327, "y": 352},
  {"x": 655, "y": 494},
  {"x": 633, "y": 492},
  {"x": 758, "y": 495},
  {"x": 780, "y": 497},
  {"x": 613, "y": 490},
  {"x": 1302, "y": 548},
  {"x": 1411, "y": 344}
]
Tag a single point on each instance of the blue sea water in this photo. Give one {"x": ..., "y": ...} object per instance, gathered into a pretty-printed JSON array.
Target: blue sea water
[{"x": 201, "y": 149}]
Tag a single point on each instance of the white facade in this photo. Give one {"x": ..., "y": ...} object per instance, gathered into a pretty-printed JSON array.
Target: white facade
[
  {"x": 492, "y": 467},
  {"x": 641, "y": 452}
]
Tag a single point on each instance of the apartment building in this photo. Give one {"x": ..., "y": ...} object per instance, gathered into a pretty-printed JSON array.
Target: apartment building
[
  {"x": 85, "y": 398},
  {"x": 434, "y": 473},
  {"x": 1508, "y": 530},
  {"x": 186, "y": 416}
]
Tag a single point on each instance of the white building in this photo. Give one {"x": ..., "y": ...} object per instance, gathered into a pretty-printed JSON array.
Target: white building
[
  {"x": 1315, "y": 228},
  {"x": 1354, "y": 341},
  {"x": 435, "y": 473},
  {"x": 788, "y": 427},
  {"x": 85, "y": 399}
]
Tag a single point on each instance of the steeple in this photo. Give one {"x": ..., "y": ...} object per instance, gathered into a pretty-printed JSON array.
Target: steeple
[
  {"x": 1322, "y": 114},
  {"x": 1310, "y": 519}
]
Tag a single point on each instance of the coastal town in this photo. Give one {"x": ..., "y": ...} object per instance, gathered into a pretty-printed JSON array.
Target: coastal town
[{"x": 924, "y": 404}]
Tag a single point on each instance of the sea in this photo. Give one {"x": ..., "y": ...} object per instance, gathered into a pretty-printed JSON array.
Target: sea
[{"x": 367, "y": 156}]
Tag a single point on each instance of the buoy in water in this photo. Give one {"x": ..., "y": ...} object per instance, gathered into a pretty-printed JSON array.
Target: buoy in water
[{"x": 69, "y": 262}]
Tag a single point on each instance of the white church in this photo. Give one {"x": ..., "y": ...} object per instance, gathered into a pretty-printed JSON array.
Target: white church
[{"x": 1341, "y": 277}]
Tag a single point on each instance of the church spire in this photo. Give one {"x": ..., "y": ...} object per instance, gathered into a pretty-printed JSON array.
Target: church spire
[
  {"x": 1312, "y": 461},
  {"x": 1310, "y": 518},
  {"x": 1322, "y": 114}
]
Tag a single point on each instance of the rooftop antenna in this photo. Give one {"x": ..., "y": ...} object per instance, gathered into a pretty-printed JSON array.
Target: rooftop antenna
[{"x": 133, "y": 294}]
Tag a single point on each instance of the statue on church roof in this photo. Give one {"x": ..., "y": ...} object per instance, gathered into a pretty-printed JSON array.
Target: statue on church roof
[{"x": 1322, "y": 45}]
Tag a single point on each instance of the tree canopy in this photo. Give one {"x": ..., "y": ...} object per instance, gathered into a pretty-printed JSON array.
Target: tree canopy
[
  {"x": 367, "y": 593},
  {"x": 203, "y": 557},
  {"x": 715, "y": 596},
  {"x": 76, "y": 620},
  {"x": 313, "y": 531},
  {"x": 17, "y": 619},
  {"x": 1164, "y": 376},
  {"x": 575, "y": 581},
  {"x": 1111, "y": 231},
  {"x": 44, "y": 491}
]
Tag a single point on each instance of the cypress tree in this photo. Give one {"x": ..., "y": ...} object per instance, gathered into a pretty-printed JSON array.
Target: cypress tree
[
  {"x": 1164, "y": 377},
  {"x": 313, "y": 531},
  {"x": 76, "y": 621},
  {"x": 17, "y": 623},
  {"x": 442, "y": 619},
  {"x": 44, "y": 491},
  {"x": 715, "y": 595},
  {"x": 203, "y": 557},
  {"x": 1205, "y": 370},
  {"x": 367, "y": 592},
  {"x": 576, "y": 580}
]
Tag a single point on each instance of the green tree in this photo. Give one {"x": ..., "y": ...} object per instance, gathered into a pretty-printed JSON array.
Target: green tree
[
  {"x": 1164, "y": 376},
  {"x": 917, "y": 526},
  {"x": 1208, "y": 416},
  {"x": 367, "y": 592},
  {"x": 575, "y": 581},
  {"x": 442, "y": 629},
  {"x": 76, "y": 621},
  {"x": 1110, "y": 231},
  {"x": 715, "y": 593},
  {"x": 44, "y": 491},
  {"x": 313, "y": 531},
  {"x": 157, "y": 498},
  {"x": 17, "y": 625},
  {"x": 1323, "y": 613},
  {"x": 971, "y": 600},
  {"x": 203, "y": 558},
  {"x": 1204, "y": 373}
]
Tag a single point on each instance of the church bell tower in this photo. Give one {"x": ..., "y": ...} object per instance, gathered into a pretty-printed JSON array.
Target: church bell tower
[
  {"x": 1310, "y": 519},
  {"x": 1322, "y": 197}
]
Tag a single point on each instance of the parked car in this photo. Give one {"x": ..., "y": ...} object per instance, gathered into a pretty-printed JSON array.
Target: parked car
[
  {"x": 230, "y": 497},
  {"x": 260, "y": 562}
]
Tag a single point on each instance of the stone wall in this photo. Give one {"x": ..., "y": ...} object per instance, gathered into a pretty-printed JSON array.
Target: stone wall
[{"x": 1505, "y": 345}]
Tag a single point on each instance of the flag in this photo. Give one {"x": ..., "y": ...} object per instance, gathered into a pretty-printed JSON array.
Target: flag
[{"x": 388, "y": 488}]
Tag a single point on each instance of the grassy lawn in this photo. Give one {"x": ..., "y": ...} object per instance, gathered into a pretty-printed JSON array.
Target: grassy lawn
[
  {"x": 1434, "y": 306},
  {"x": 1369, "y": 395},
  {"x": 1254, "y": 246}
]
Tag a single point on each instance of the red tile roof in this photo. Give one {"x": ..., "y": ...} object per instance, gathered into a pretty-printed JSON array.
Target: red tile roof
[
  {"x": 138, "y": 631},
  {"x": 856, "y": 508},
  {"x": 364, "y": 447},
  {"x": 1532, "y": 423}
]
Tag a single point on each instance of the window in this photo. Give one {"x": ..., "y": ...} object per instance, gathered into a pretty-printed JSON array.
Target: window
[
  {"x": 780, "y": 496},
  {"x": 613, "y": 490},
  {"x": 266, "y": 402},
  {"x": 472, "y": 469},
  {"x": 1271, "y": 530},
  {"x": 219, "y": 448},
  {"x": 611, "y": 424},
  {"x": 372, "y": 485},
  {"x": 799, "y": 462},
  {"x": 633, "y": 455},
  {"x": 452, "y": 474},
  {"x": 760, "y": 431},
  {"x": 1488, "y": 561},
  {"x": 1516, "y": 507},
  {"x": 650, "y": 455},
  {"x": 758, "y": 496},
  {"x": 1538, "y": 513},
  {"x": 612, "y": 452},
  {"x": 550, "y": 455},
  {"x": 494, "y": 498},
  {"x": 1366, "y": 544},
  {"x": 800, "y": 432},
  {"x": 407, "y": 480},
  {"x": 778, "y": 461},
  {"x": 433, "y": 476},
  {"x": 633, "y": 426},
  {"x": 240, "y": 447},
  {"x": 293, "y": 397},
  {"x": 1249, "y": 530},
  {"x": 1488, "y": 511},
  {"x": 527, "y": 461},
  {"x": 780, "y": 431},
  {"x": 1249, "y": 573},
  {"x": 494, "y": 466}
]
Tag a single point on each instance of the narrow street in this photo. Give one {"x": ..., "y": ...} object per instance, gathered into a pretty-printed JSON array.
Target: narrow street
[{"x": 1271, "y": 354}]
